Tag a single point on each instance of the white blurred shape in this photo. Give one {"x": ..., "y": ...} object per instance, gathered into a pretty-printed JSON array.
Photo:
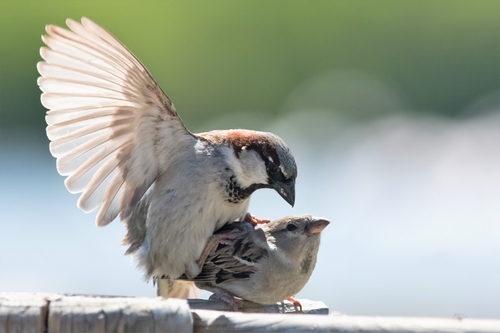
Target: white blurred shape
[
  {"x": 415, "y": 209},
  {"x": 347, "y": 93}
]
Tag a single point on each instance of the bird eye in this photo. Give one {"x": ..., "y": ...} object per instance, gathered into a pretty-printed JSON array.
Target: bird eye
[
  {"x": 272, "y": 167},
  {"x": 291, "y": 227}
]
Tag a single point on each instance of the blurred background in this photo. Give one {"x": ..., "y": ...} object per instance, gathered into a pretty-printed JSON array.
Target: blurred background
[{"x": 392, "y": 109}]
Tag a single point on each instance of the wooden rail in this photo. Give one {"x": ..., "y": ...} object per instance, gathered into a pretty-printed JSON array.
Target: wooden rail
[{"x": 39, "y": 312}]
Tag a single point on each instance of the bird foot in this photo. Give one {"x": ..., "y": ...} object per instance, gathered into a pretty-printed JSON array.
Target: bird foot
[
  {"x": 234, "y": 303},
  {"x": 253, "y": 220},
  {"x": 296, "y": 303}
]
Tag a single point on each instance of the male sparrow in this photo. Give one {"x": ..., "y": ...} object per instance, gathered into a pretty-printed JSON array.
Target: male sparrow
[
  {"x": 120, "y": 141},
  {"x": 264, "y": 265}
]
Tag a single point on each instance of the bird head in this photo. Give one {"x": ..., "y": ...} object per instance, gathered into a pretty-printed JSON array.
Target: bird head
[
  {"x": 261, "y": 160},
  {"x": 297, "y": 237}
]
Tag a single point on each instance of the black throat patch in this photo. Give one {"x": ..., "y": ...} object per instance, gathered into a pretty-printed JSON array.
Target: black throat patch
[{"x": 235, "y": 193}]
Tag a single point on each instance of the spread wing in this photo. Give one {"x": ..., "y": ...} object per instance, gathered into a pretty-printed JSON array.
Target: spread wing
[
  {"x": 112, "y": 128},
  {"x": 236, "y": 259}
]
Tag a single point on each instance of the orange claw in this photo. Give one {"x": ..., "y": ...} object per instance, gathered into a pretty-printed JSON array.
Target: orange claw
[
  {"x": 255, "y": 220},
  {"x": 295, "y": 302}
]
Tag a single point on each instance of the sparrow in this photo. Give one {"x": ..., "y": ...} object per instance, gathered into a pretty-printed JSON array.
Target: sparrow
[
  {"x": 121, "y": 143},
  {"x": 264, "y": 265}
]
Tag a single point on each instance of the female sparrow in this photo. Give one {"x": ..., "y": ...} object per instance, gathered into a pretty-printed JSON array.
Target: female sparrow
[{"x": 264, "y": 265}]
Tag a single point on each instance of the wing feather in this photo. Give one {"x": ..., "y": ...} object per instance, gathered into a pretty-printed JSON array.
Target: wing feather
[
  {"x": 112, "y": 129},
  {"x": 75, "y": 115},
  {"x": 110, "y": 197},
  {"x": 234, "y": 259}
]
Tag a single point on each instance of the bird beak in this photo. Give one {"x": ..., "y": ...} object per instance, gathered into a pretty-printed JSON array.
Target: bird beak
[
  {"x": 286, "y": 190},
  {"x": 316, "y": 226}
]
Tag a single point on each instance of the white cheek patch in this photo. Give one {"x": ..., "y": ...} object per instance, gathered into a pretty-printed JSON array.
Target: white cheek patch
[
  {"x": 283, "y": 172},
  {"x": 249, "y": 168}
]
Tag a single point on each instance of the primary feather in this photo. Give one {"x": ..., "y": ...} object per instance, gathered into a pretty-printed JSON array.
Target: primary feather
[{"x": 107, "y": 118}]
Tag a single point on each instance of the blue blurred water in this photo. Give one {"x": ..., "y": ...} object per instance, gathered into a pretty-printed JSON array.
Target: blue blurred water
[{"x": 414, "y": 204}]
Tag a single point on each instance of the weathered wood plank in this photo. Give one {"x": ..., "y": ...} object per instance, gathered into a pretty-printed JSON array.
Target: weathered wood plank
[
  {"x": 308, "y": 307},
  {"x": 23, "y": 312},
  {"x": 212, "y": 321},
  {"x": 118, "y": 314},
  {"x": 27, "y": 312}
]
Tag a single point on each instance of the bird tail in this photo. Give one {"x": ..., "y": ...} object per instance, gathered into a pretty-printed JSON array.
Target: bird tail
[{"x": 177, "y": 289}]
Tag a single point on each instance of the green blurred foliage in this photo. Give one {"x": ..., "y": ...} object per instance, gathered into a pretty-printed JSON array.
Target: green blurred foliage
[{"x": 213, "y": 57}]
